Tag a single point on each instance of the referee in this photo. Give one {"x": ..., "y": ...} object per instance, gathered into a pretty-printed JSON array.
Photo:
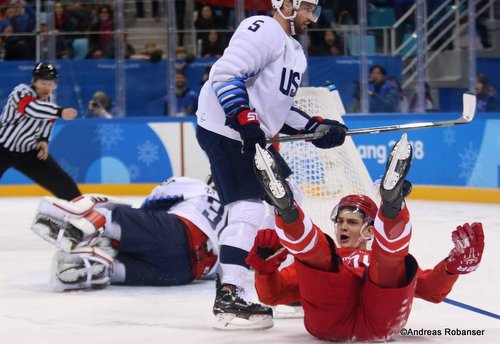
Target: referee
[{"x": 25, "y": 126}]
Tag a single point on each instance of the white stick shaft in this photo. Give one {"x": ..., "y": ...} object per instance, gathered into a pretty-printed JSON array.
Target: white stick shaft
[{"x": 469, "y": 107}]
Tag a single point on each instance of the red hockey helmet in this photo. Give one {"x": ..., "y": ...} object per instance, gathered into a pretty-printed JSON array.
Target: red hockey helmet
[{"x": 362, "y": 203}]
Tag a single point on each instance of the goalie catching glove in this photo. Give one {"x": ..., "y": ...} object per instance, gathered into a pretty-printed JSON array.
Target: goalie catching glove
[
  {"x": 247, "y": 124},
  {"x": 335, "y": 132},
  {"x": 82, "y": 268},
  {"x": 469, "y": 245},
  {"x": 267, "y": 253}
]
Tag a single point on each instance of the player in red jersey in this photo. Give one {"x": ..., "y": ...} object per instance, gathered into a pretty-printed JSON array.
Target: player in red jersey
[{"x": 347, "y": 291}]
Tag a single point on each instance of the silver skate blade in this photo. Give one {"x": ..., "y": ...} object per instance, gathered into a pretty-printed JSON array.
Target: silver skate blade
[
  {"x": 263, "y": 161},
  {"x": 230, "y": 322},
  {"x": 400, "y": 153}
]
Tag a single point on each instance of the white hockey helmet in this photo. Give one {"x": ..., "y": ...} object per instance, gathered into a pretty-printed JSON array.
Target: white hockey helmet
[{"x": 277, "y": 4}]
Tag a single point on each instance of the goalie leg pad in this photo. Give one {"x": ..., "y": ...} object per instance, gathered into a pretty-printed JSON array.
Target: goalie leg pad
[
  {"x": 80, "y": 269},
  {"x": 64, "y": 210},
  {"x": 71, "y": 232}
]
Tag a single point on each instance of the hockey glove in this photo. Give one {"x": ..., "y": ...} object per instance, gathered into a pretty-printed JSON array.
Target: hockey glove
[
  {"x": 468, "y": 250},
  {"x": 334, "y": 132},
  {"x": 247, "y": 124},
  {"x": 267, "y": 253}
]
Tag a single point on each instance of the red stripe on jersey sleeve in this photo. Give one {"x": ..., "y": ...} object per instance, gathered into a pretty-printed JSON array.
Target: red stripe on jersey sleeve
[{"x": 24, "y": 102}]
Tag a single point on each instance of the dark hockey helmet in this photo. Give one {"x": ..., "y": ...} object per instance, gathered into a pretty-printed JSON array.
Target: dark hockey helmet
[
  {"x": 361, "y": 203},
  {"x": 44, "y": 71}
]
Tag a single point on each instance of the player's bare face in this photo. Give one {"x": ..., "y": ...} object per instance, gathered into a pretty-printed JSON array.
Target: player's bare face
[
  {"x": 305, "y": 16},
  {"x": 44, "y": 88},
  {"x": 348, "y": 228}
]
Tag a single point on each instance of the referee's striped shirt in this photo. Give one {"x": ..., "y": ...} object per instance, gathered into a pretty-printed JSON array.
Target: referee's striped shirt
[{"x": 26, "y": 120}]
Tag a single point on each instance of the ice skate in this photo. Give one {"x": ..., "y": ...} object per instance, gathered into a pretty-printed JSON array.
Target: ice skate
[
  {"x": 277, "y": 189},
  {"x": 234, "y": 312},
  {"x": 394, "y": 187}
]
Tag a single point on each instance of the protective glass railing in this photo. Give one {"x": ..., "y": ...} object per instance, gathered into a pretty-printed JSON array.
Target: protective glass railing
[{"x": 142, "y": 58}]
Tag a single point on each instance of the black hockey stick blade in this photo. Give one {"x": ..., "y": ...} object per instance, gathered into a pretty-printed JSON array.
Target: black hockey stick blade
[{"x": 469, "y": 109}]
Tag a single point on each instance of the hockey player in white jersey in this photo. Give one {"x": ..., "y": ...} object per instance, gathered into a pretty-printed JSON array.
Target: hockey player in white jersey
[
  {"x": 249, "y": 97},
  {"x": 172, "y": 239}
]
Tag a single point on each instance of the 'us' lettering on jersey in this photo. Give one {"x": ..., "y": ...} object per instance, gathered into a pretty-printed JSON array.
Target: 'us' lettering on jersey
[{"x": 290, "y": 82}]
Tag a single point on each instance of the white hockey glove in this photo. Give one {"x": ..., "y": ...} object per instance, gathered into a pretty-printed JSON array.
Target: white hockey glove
[
  {"x": 82, "y": 268},
  {"x": 68, "y": 224}
]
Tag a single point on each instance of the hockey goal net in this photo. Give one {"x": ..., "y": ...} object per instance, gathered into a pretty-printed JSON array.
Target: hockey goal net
[{"x": 325, "y": 175}]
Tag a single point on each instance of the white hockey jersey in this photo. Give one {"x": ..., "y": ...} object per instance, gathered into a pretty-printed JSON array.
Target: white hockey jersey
[
  {"x": 261, "y": 65},
  {"x": 198, "y": 203}
]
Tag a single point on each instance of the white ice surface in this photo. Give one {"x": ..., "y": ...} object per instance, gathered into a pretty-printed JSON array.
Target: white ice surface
[{"x": 31, "y": 313}]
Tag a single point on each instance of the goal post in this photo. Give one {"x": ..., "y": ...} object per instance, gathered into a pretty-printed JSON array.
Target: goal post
[{"x": 325, "y": 175}]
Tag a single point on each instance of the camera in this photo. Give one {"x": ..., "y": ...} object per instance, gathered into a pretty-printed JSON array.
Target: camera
[{"x": 95, "y": 105}]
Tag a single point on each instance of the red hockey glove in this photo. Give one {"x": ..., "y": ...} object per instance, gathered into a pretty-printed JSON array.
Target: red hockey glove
[
  {"x": 468, "y": 250},
  {"x": 334, "y": 132},
  {"x": 267, "y": 253},
  {"x": 247, "y": 124}
]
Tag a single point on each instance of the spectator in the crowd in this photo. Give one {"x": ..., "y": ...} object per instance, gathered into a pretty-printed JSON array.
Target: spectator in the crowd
[
  {"x": 155, "y": 9},
  {"x": 213, "y": 46},
  {"x": 207, "y": 20},
  {"x": 403, "y": 104},
  {"x": 100, "y": 106},
  {"x": 44, "y": 41},
  {"x": 383, "y": 95},
  {"x": 486, "y": 95},
  {"x": 346, "y": 12},
  {"x": 103, "y": 24},
  {"x": 332, "y": 44},
  {"x": 81, "y": 15},
  {"x": 22, "y": 20},
  {"x": 187, "y": 99},
  {"x": 151, "y": 52},
  {"x": 429, "y": 103},
  {"x": 182, "y": 58},
  {"x": 64, "y": 24}
]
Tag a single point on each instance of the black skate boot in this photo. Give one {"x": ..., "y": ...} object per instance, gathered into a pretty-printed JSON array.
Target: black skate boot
[
  {"x": 277, "y": 189},
  {"x": 230, "y": 303},
  {"x": 394, "y": 187}
]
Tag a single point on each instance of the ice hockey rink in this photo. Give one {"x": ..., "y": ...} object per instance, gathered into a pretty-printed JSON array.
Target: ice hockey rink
[{"x": 31, "y": 313}]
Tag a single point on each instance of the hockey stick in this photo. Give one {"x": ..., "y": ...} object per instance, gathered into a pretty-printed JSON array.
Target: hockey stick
[
  {"x": 469, "y": 109},
  {"x": 471, "y": 308}
]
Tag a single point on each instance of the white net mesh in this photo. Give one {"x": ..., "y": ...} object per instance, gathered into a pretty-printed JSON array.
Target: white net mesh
[{"x": 325, "y": 175}]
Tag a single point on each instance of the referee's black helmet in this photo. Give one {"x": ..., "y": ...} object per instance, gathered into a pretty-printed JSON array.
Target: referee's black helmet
[{"x": 44, "y": 71}]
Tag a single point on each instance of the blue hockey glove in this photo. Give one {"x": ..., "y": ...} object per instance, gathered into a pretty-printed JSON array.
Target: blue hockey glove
[
  {"x": 247, "y": 124},
  {"x": 334, "y": 132}
]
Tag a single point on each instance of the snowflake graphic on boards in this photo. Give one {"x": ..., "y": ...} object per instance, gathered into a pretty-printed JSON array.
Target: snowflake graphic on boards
[
  {"x": 148, "y": 152},
  {"x": 109, "y": 135},
  {"x": 134, "y": 171},
  {"x": 468, "y": 162},
  {"x": 449, "y": 137}
]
